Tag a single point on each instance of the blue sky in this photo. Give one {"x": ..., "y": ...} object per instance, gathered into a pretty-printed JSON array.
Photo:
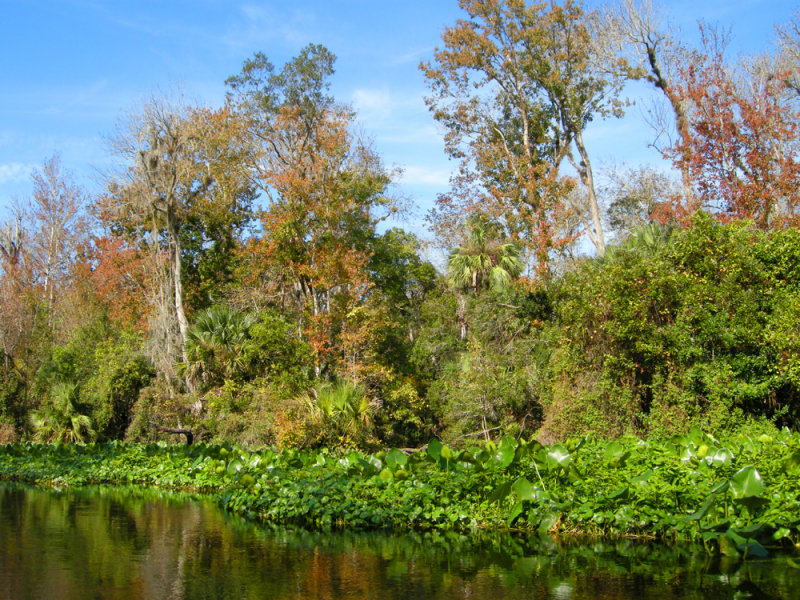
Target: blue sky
[{"x": 69, "y": 69}]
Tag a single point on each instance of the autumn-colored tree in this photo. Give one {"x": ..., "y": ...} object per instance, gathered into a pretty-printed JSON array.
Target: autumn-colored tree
[
  {"x": 214, "y": 227},
  {"x": 325, "y": 190},
  {"x": 181, "y": 197},
  {"x": 744, "y": 138},
  {"x": 515, "y": 86},
  {"x": 120, "y": 278}
]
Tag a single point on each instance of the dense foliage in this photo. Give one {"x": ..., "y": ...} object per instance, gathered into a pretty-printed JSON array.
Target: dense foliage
[
  {"x": 235, "y": 280},
  {"x": 700, "y": 330},
  {"x": 737, "y": 495}
]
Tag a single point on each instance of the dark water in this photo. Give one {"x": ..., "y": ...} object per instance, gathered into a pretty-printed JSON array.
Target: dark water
[{"x": 129, "y": 543}]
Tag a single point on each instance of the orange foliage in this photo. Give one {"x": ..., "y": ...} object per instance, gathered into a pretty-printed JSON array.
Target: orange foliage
[
  {"x": 324, "y": 186},
  {"x": 742, "y": 150},
  {"x": 513, "y": 87},
  {"x": 120, "y": 277}
]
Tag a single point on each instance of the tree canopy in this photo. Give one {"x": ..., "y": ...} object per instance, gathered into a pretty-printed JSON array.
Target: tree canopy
[{"x": 242, "y": 274}]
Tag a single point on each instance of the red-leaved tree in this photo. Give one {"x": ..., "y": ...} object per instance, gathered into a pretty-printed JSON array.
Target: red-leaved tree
[{"x": 742, "y": 149}]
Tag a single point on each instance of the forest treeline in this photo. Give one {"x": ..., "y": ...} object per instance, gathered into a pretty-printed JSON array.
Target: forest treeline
[{"x": 235, "y": 278}]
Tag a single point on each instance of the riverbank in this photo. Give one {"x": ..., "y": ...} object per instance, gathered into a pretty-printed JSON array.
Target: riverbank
[{"x": 738, "y": 496}]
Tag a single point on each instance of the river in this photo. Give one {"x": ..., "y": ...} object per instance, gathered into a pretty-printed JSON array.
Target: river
[{"x": 133, "y": 543}]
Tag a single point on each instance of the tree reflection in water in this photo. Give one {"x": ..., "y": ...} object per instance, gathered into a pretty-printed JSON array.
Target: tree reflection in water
[{"x": 121, "y": 543}]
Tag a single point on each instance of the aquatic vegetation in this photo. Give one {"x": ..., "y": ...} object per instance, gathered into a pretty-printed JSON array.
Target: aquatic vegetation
[{"x": 736, "y": 496}]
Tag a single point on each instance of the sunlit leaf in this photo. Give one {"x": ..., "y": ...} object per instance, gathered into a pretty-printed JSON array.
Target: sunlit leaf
[
  {"x": 524, "y": 489},
  {"x": 558, "y": 455},
  {"x": 746, "y": 482},
  {"x": 396, "y": 458}
]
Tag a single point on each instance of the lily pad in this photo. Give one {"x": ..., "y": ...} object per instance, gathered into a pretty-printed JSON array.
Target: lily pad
[
  {"x": 396, "y": 458},
  {"x": 524, "y": 489},
  {"x": 558, "y": 456},
  {"x": 615, "y": 455},
  {"x": 746, "y": 483},
  {"x": 506, "y": 452},
  {"x": 719, "y": 457}
]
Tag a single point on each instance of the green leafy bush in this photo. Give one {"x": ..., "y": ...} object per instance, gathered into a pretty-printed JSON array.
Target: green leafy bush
[
  {"x": 61, "y": 418},
  {"x": 697, "y": 331},
  {"x": 122, "y": 372}
]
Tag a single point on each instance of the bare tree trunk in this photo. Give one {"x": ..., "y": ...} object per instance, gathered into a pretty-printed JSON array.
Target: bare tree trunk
[
  {"x": 180, "y": 313},
  {"x": 681, "y": 124},
  {"x": 461, "y": 314},
  {"x": 588, "y": 180},
  {"x": 650, "y": 51}
]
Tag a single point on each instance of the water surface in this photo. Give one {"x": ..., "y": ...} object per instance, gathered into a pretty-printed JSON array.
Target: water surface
[{"x": 133, "y": 543}]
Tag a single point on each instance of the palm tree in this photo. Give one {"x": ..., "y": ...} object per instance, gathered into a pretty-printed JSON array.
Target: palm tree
[
  {"x": 217, "y": 343},
  {"x": 59, "y": 419},
  {"x": 485, "y": 261},
  {"x": 650, "y": 238},
  {"x": 645, "y": 240},
  {"x": 341, "y": 408}
]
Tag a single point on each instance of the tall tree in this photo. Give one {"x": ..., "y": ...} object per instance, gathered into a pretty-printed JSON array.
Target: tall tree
[
  {"x": 515, "y": 86},
  {"x": 743, "y": 145},
  {"x": 180, "y": 187},
  {"x": 59, "y": 227},
  {"x": 17, "y": 311},
  {"x": 40, "y": 255},
  {"x": 789, "y": 56},
  {"x": 326, "y": 191},
  {"x": 637, "y": 42}
]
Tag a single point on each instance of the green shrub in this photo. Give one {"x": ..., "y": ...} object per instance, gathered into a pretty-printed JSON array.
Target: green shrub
[
  {"x": 122, "y": 371},
  {"x": 61, "y": 418},
  {"x": 699, "y": 331}
]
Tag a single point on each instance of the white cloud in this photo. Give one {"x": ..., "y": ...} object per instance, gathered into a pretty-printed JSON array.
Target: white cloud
[
  {"x": 265, "y": 25},
  {"x": 15, "y": 172},
  {"x": 372, "y": 104},
  {"x": 417, "y": 175}
]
